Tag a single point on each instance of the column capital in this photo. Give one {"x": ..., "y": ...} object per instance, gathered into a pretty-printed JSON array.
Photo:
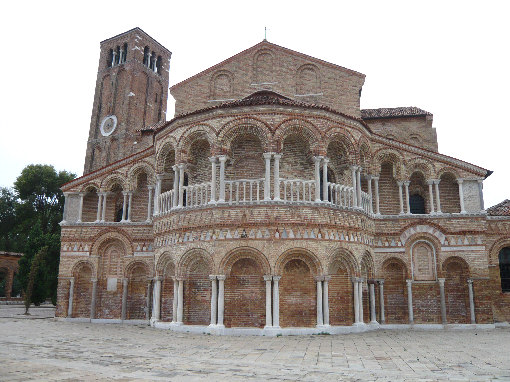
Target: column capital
[
  {"x": 222, "y": 158},
  {"x": 93, "y": 280},
  {"x": 125, "y": 281},
  {"x": 268, "y": 277},
  {"x": 157, "y": 278},
  {"x": 326, "y": 160},
  {"x": 212, "y": 277},
  {"x": 181, "y": 165},
  {"x": 375, "y": 177},
  {"x": 327, "y": 277},
  {"x": 380, "y": 281},
  {"x": 436, "y": 181},
  {"x": 470, "y": 281},
  {"x": 71, "y": 279},
  {"x": 441, "y": 281},
  {"x": 267, "y": 155},
  {"x": 317, "y": 158},
  {"x": 82, "y": 194},
  {"x": 430, "y": 182},
  {"x": 212, "y": 159},
  {"x": 407, "y": 183},
  {"x": 368, "y": 177},
  {"x": 400, "y": 183},
  {"x": 319, "y": 278},
  {"x": 409, "y": 282},
  {"x": 221, "y": 277},
  {"x": 460, "y": 180},
  {"x": 276, "y": 278},
  {"x": 353, "y": 167},
  {"x": 277, "y": 155},
  {"x": 150, "y": 187}
]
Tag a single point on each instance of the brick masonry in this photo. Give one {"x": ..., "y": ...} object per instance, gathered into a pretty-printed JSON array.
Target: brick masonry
[{"x": 301, "y": 242}]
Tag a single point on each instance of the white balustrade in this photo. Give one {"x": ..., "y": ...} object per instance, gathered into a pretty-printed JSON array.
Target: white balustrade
[
  {"x": 251, "y": 191},
  {"x": 297, "y": 190},
  {"x": 244, "y": 191}
]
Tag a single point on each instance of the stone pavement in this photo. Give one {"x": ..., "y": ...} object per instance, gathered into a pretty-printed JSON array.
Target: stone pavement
[{"x": 45, "y": 349}]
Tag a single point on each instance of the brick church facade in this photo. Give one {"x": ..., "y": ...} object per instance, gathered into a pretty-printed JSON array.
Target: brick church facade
[{"x": 271, "y": 203}]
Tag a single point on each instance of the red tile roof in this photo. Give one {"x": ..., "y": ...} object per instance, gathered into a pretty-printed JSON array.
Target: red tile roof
[
  {"x": 394, "y": 112},
  {"x": 500, "y": 209}
]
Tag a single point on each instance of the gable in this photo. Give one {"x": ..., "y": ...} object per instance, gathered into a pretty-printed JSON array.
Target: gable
[{"x": 267, "y": 66}]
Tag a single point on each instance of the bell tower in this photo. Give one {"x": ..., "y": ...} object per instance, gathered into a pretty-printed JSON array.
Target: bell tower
[{"x": 131, "y": 93}]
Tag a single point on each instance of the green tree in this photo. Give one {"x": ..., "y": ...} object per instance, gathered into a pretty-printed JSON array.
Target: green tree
[
  {"x": 8, "y": 231},
  {"x": 38, "y": 213},
  {"x": 34, "y": 276}
]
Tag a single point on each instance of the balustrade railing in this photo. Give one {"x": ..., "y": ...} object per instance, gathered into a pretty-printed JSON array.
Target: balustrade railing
[
  {"x": 244, "y": 191},
  {"x": 298, "y": 190},
  {"x": 251, "y": 191}
]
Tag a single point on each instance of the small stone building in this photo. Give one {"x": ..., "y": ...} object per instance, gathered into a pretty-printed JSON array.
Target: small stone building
[
  {"x": 8, "y": 269},
  {"x": 271, "y": 203}
]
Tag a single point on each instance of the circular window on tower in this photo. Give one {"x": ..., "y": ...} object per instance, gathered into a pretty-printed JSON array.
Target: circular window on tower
[{"x": 108, "y": 125}]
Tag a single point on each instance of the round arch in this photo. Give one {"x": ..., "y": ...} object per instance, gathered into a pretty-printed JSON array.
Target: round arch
[
  {"x": 299, "y": 254},
  {"x": 301, "y": 127},
  {"x": 244, "y": 125},
  {"x": 240, "y": 253}
]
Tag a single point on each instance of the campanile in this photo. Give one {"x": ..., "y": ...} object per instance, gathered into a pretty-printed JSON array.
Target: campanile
[{"x": 131, "y": 93}]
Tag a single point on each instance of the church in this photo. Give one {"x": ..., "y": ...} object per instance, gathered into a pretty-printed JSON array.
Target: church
[{"x": 271, "y": 203}]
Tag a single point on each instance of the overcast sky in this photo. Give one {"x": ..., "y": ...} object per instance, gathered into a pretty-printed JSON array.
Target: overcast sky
[{"x": 449, "y": 58}]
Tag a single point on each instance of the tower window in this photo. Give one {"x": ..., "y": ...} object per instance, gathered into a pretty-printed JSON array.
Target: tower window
[
  {"x": 504, "y": 269},
  {"x": 146, "y": 56},
  {"x": 117, "y": 56},
  {"x": 159, "y": 62},
  {"x": 417, "y": 204}
]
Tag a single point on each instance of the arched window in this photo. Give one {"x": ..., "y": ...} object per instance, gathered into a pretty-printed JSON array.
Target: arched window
[
  {"x": 417, "y": 204},
  {"x": 146, "y": 56},
  {"x": 152, "y": 62},
  {"x": 109, "y": 61},
  {"x": 504, "y": 269},
  {"x": 124, "y": 53},
  {"x": 159, "y": 61}
]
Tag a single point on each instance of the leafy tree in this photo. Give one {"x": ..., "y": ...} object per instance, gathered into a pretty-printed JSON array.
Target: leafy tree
[
  {"x": 38, "y": 211},
  {"x": 34, "y": 275},
  {"x": 8, "y": 234}
]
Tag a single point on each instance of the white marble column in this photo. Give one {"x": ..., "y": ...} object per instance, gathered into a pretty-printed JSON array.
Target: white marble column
[
  {"x": 222, "y": 159},
  {"x": 80, "y": 211},
  {"x": 360, "y": 296},
  {"x": 461, "y": 196},
  {"x": 371, "y": 289},
  {"x": 400, "y": 198},
  {"x": 180, "y": 301},
  {"x": 325, "y": 299},
  {"x": 175, "y": 299},
  {"x": 214, "y": 299},
  {"x": 149, "y": 204},
  {"x": 71, "y": 297},
  {"x": 276, "y": 301},
  {"x": 354, "y": 170},
  {"x": 371, "y": 206},
  {"x": 123, "y": 313},
  {"x": 181, "y": 185},
  {"x": 356, "y": 300},
  {"x": 156, "y": 299},
  {"x": 471, "y": 301},
  {"x": 213, "y": 180},
  {"x": 93, "y": 299},
  {"x": 175, "y": 201},
  {"x": 124, "y": 206},
  {"x": 382, "y": 318},
  {"x": 103, "y": 211},
  {"x": 221, "y": 299},
  {"x": 410, "y": 300},
  {"x": 408, "y": 205},
  {"x": 320, "y": 319},
  {"x": 376, "y": 184},
  {"x": 317, "y": 166},
  {"x": 325, "y": 162},
  {"x": 267, "y": 176},
  {"x": 358, "y": 186},
  {"x": 277, "y": 176},
  {"x": 480, "y": 194},
  {"x": 431, "y": 197},
  {"x": 99, "y": 204},
  {"x": 130, "y": 200},
  {"x": 157, "y": 193},
  {"x": 268, "y": 279},
  {"x": 438, "y": 200}
]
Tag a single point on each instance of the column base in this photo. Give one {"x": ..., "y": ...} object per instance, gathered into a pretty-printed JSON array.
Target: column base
[
  {"x": 175, "y": 323},
  {"x": 359, "y": 324},
  {"x": 213, "y": 202},
  {"x": 374, "y": 323}
]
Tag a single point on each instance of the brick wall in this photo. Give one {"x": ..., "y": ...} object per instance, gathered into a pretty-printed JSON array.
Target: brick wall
[
  {"x": 341, "y": 298},
  {"x": 82, "y": 296},
  {"x": 197, "y": 295},
  {"x": 389, "y": 202},
  {"x": 167, "y": 299},
  {"x": 109, "y": 303},
  {"x": 456, "y": 293},
  {"x": 137, "y": 294},
  {"x": 426, "y": 303},
  {"x": 245, "y": 296},
  {"x": 449, "y": 194},
  {"x": 298, "y": 296},
  {"x": 395, "y": 294}
]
